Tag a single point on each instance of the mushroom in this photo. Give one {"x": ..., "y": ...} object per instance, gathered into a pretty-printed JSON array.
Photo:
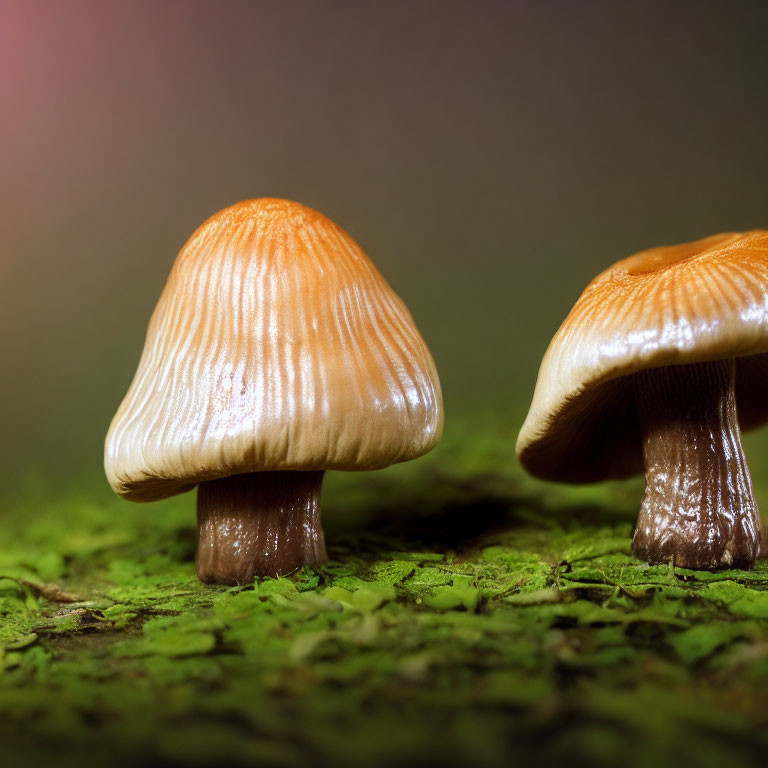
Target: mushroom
[
  {"x": 276, "y": 351},
  {"x": 660, "y": 362}
]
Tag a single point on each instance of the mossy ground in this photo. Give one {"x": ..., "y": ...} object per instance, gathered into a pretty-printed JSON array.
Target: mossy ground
[{"x": 467, "y": 616}]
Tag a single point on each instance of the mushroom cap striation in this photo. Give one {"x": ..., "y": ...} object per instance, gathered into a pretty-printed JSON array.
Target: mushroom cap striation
[
  {"x": 275, "y": 345},
  {"x": 689, "y": 303}
]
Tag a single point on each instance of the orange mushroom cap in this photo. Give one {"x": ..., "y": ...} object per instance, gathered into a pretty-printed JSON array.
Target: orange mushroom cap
[
  {"x": 276, "y": 344},
  {"x": 689, "y": 303}
]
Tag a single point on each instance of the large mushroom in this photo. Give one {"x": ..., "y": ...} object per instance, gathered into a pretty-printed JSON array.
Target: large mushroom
[
  {"x": 660, "y": 362},
  {"x": 276, "y": 351}
]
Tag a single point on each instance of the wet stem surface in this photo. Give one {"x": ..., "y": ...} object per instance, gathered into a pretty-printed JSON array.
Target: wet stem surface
[{"x": 467, "y": 616}]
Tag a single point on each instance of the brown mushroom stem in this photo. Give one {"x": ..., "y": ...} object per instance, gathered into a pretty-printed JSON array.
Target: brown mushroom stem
[
  {"x": 699, "y": 510},
  {"x": 259, "y": 524}
]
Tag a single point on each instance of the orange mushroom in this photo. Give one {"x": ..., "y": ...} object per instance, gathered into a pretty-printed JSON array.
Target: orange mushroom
[
  {"x": 660, "y": 362},
  {"x": 276, "y": 351}
]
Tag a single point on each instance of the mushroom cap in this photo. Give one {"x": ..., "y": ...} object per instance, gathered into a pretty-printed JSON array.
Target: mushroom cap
[
  {"x": 276, "y": 345},
  {"x": 688, "y": 303}
]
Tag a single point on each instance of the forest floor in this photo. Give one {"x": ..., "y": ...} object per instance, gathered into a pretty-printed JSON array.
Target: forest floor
[{"x": 468, "y": 615}]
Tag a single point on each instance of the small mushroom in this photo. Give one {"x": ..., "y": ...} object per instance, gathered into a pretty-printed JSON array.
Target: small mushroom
[
  {"x": 659, "y": 364},
  {"x": 276, "y": 351}
]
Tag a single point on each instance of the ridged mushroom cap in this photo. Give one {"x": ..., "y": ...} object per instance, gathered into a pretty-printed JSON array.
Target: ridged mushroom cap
[
  {"x": 688, "y": 303},
  {"x": 276, "y": 344}
]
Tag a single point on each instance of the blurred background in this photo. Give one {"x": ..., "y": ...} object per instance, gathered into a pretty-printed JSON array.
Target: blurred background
[{"x": 490, "y": 157}]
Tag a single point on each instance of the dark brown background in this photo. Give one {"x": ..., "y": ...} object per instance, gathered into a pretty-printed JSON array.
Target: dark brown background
[{"x": 491, "y": 157}]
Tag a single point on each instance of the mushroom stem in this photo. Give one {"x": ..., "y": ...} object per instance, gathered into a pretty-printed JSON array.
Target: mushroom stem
[
  {"x": 259, "y": 524},
  {"x": 699, "y": 509}
]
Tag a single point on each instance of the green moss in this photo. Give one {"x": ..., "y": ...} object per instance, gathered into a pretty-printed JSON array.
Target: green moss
[{"x": 468, "y": 616}]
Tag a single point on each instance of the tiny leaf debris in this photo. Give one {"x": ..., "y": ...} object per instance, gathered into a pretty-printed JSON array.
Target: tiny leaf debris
[{"x": 51, "y": 592}]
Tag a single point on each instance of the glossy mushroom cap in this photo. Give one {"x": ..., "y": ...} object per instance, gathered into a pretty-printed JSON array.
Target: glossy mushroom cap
[
  {"x": 275, "y": 345},
  {"x": 690, "y": 303}
]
